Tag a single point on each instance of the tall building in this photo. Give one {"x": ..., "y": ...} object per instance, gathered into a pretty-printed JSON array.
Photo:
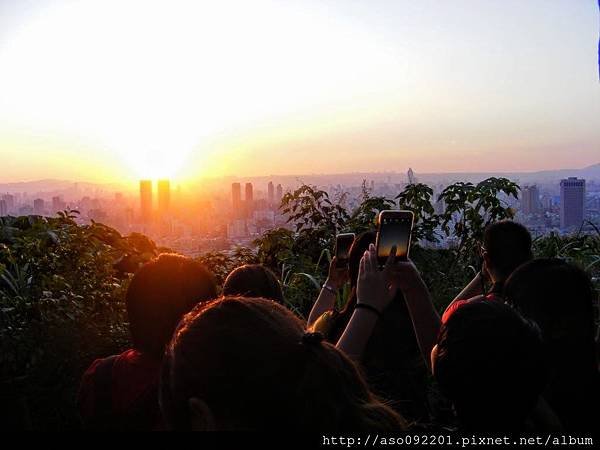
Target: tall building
[
  {"x": 572, "y": 200},
  {"x": 249, "y": 193},
  {"x": 146, "y": 200},
  {"x": 3, "y": 208},
  {"x": 38, "y": 206},
  {"x": 530, "y": 200},
  {"x": 58, "y": 204},
  {"x": 279, "y": 194},
  {"x": 164, "y": 197},
  {"x": 236, "y": 197},
  {"x": 271, "y": 194},
  {"x": 546, "y": 202},
  {"x": 249, "y": 199},
  {"x": 412, "y": 179},
  {"x": 10, "y": 202}
]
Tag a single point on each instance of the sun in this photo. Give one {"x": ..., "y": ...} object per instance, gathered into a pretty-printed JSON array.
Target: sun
[{"x": 153, "y": 81}]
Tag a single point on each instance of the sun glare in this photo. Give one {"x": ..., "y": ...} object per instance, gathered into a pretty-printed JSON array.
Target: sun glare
[{"x": 151, "y": 80}]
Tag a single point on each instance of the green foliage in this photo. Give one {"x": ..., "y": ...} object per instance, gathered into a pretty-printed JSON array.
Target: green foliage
[
  {"x": 221, "y": 264},
  {"x": 364, "y": 217},
  {"x": 417, "y": 198},
  {"x": 62, "y": 285},
  {"x": 470, "y": 208},
  {"x": 580, "y": 249},
  {"x": 61, "y": 306},
  {"x": 309, "y": 208}
]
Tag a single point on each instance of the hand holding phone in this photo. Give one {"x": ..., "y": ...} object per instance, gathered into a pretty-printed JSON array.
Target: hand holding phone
[
  {"x": 343, "y": 243},
  {"x": 394, "y": 229}
]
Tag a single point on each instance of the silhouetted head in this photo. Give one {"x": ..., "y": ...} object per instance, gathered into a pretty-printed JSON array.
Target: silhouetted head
[
  {"x": 506, "y": 245},
  {"x": 559, "y": 296},
  {"x": 561, "y": 299},
  {"x": 159, "y": 294},
  {"x": 253, "y": 280},
  {"x": 489, "y": 362},
  {"x": 247, "y": 364}
]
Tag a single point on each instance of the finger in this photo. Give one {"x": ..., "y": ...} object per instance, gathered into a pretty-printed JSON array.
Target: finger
[
  {"x": 373, "y": 257},
  {"x": 391, "y": 258},
  {"x": 361, "y": 267},
  {"x": 367, "y": 259}
]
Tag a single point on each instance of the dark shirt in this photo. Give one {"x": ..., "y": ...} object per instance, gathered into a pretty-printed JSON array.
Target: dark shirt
[{"x": 120, "y": 393}]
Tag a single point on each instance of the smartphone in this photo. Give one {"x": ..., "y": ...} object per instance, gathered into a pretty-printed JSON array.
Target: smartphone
[
  {"x": 394, "y": 228},
  {"x": 343, "y": 242}
]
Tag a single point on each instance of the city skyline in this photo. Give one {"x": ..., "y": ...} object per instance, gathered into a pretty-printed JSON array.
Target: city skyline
[{"x": 471, "y": 86}]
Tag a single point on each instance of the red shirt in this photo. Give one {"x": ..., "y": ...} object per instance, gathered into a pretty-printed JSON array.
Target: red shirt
[
  {"x": 132, "y": 386},
  {"x": 492, "y": 296}
]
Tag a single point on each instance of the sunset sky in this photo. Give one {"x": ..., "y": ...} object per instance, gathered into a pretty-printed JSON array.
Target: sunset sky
[{"x": 117, "y": 90}]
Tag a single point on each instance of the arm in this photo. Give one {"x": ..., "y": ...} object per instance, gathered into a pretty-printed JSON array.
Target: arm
[
  {"x": 326, "y": 299},
  {"x": 474, "y": 288},
  {"x": 373, "y": 290},
  {"x": 357, "y": 333},
  {"x": 425, "y": 319}
]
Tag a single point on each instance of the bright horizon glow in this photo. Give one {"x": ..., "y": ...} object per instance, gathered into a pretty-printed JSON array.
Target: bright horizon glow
[{"x": 112, "y": 90}]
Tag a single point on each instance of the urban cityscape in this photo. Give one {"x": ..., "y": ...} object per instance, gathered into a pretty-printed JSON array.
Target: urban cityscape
[
  {"x": 343, "y": 223},
  {"x": 234, "y": 214}
]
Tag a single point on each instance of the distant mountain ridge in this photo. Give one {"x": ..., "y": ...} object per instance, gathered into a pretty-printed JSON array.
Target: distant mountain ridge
[{"x": 543, "y": 176}]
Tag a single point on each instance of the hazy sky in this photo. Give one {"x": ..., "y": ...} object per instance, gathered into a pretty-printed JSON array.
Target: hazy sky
[{"x": 116, "y": 90}]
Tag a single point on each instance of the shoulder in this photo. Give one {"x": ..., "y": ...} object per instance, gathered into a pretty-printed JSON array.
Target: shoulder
[{"x": 87, "y": 395}]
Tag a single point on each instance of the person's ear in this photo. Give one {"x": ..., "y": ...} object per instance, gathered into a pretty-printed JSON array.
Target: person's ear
[{"x": 201, "y": 417}]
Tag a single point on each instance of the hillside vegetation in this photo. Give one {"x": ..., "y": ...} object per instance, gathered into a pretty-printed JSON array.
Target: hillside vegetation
[{"x": 62, "y": 285}]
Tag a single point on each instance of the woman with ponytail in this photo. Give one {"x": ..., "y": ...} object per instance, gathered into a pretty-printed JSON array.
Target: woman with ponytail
[{"x": 248, "y": 364}]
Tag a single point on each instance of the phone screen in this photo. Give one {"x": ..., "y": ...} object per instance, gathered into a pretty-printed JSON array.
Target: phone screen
[
  {"x": 394, "y": 229},
  {"x": 343, "y": 243}
]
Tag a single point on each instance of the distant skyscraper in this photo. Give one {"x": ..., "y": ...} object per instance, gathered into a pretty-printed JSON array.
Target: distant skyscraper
[
  {"x": 279, "y": 194},
  {"x": 164, "y": 197},
  {"x": 3, "y": 208},
  {"x": 249, "y": 199},
  {"x": 572, "y": 198},
  {"x": 530, "y": 200},
  {"x": 271, "y": 193},
  {"x": 10, "y": 202},
  {"x": 236, "y": 196},
  {"x": 146, "y": 200},
  {"x": 38, "y": 206},
  {"x": 56, "y": 204},
  {"x": 411, "y": 176},
  {"x": 249, "y": 193}
]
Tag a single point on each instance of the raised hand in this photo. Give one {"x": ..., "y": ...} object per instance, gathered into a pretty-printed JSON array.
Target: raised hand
[
  {"x": 374, "y": 287},
  {"x": 405, "y": 276},
  {"x": 337, "y": 276}
]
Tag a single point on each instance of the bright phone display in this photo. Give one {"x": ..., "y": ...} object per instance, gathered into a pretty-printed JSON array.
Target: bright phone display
[
  {"x": 395, "y": 228},
  {"x": 343, "y": 242}
]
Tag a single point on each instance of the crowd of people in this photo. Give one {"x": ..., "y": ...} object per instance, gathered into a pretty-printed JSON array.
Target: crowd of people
[{"x": 516, "y": 350}]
